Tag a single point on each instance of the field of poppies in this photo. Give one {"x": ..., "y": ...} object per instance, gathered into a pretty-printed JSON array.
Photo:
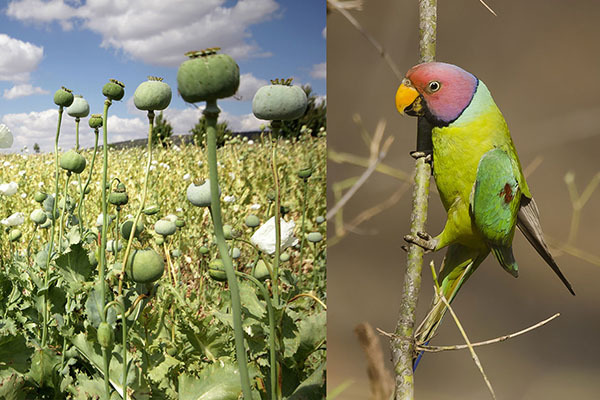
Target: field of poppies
[{"x": 163, "y": 273}]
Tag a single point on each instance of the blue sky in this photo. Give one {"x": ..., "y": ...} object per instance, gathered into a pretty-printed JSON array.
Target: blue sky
[{"x": 46, "y": 44}]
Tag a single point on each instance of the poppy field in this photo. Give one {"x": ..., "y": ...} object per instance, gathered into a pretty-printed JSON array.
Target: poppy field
[{"x": 181, "y": 272}]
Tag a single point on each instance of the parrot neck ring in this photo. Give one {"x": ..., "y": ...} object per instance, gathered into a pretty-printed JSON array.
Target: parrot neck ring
[{"x": 415, "y": 109}]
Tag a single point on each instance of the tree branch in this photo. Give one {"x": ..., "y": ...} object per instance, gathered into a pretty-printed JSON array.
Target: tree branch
[{"x": 403, "y": 346}]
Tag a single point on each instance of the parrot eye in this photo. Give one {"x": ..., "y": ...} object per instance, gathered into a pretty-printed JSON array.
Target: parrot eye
[{"x": 434, "y": 86}]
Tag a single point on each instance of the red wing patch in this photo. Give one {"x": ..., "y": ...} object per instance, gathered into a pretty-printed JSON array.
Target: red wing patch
[{"x": 507, "y": 193}]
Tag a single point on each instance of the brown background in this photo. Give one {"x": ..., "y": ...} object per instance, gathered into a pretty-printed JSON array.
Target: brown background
[{"x": 541, "y": 62}]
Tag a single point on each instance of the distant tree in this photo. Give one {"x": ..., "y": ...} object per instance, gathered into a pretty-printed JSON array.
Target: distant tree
[
  {"x": 314, "y": 118},
  {"x": 162, "y": 131},
  {"x": 36, "y": 147},
  {"x": 199, "y": 132}
]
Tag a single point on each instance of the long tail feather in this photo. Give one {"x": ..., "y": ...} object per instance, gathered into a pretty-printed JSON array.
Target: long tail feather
[
  {"x": 528, "y": 221},
  {"x": 460, "y": 262}
]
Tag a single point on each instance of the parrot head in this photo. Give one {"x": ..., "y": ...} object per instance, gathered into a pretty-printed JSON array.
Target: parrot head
[{"x": 438, "y": 91}]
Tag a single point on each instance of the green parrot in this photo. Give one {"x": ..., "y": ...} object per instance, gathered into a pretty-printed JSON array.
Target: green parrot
[{"x": 478, "y": 176}]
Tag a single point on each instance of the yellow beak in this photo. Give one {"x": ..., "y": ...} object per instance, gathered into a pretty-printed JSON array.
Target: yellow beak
[{"x": 405, "y": 96}]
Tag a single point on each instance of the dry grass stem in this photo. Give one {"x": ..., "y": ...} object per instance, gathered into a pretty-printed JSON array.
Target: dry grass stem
[
  {"x": 381, "y": 380},
  {"x": 469, "y": 345}
]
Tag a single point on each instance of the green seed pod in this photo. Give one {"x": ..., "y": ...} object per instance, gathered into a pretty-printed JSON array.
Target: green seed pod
[
  {"x": 271, "y": 195},
  {"x": 216, "y": 270},
  {"x": 284, "y": 257},
  {"x": 118, "y": 198},
  {"x": 40, "y": 197},
  {"x": 203, "y": 250},
  {"x": 154, "y": 94},
  {"x": 63, "y": 97},
  {"x": 199, "y": 193},
  {"x": 86, "y": 190},
  {"x": 314, "y": 237},
  {"x": 145, "y": 266},
  {"x": 46, "y": 224},
  {"x": 79, "y": 108},
  {"x": 159, "y": 240},
  {"x": 106, "y": 336},
  {"x": 165, "y": 227},
  {"x": 126, "y": 228},
  {"x": 72, "y": 161},
  {"x": 305, "y": 172},
  {"x": 15, "y": 235},
  {"x": 261, "y": 272},
  {"x": 279, "y": 101},
  {"x": 236, "y": 253},
  {"x": 252, "y": 221},
  {"x": 180, "y": 223},
  {"x": 320, "y": 219},
  {"x": 228, "y": 232},
  {"x": 38, "y": 216},
  {"x": 151, "y": 210},
  {"x": 95, "y": 121},
  {"x": 114, "y": 90},
  {"x": 207, "y": 76}
]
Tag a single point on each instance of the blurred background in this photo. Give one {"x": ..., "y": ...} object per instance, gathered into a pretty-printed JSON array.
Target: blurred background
[{"x": 541, "y": 62}]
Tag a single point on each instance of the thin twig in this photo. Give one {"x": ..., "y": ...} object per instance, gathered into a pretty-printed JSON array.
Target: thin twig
[
  {"x": 338, "y": 6},
  {"x": 339, "y": 158},
  {"x": 469, "y": 345},
  {"x": 489, "y": 8},
  {"x": 369, "y": 213},
  {"x": 574, "y": 251},
  {"x": 378, "y": 153},
  {"x": 436, "y": 349}
]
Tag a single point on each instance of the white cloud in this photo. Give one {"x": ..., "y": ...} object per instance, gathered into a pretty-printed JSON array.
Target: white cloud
[
  {"x": 319, "y": 71},
  {"x": 157, "y": 32},
  {"x": 22, "y": 90},
  {"x": 18, "y": 59},
  {"x": 39, "y": 127},
  {"x": 249, "y": 84}
]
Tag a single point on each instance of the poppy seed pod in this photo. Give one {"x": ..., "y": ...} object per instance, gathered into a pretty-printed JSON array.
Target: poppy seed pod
[
  {"x": 165, "y": 227},
  {"x": 63, "y": 97},
  {"x": 145, "y": 266},
  {"x": 72, "y": 161},
  {"x": 114, "y": 90},
  {"x": 279, "y": 102},
  {"x": 199, "y": 193},
  {"x": 95, "y": 121},
  {"x": 79, "y": 108},
  {"x": 154, "y": 94},
  {"x": 207, "y": 76}
]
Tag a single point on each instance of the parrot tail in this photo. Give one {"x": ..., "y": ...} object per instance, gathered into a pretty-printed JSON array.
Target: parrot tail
[
  {"x": 458, "y": 265},
  {"x": 506, "y": 258}
]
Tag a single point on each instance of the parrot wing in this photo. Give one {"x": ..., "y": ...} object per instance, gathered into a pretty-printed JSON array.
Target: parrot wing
[
  {"x": 495, "y": 201},
  {"x": 528, "y": 221}
]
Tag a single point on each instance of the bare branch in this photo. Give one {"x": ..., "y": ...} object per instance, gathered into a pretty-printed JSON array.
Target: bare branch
[{"x": 488, "y": 7}]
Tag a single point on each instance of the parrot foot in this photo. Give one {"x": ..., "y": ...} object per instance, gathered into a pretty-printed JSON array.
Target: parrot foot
[
  {"x": 428, "y": 154},
  {"x": 423, "y": 240}
]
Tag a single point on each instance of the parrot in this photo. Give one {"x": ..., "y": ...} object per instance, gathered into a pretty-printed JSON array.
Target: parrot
[{"x": 479, "y": 179}]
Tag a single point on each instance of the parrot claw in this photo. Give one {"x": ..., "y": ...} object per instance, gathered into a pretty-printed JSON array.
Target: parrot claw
[
  {"x": 420, "y": 154},
  {"x": 423, "y": 240}
]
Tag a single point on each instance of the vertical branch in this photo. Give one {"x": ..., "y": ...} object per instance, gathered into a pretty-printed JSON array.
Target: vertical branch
[{"x": 403, "y": 342}]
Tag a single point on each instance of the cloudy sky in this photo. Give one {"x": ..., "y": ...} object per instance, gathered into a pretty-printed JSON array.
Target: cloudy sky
[{"x": 79, "y": 44}]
